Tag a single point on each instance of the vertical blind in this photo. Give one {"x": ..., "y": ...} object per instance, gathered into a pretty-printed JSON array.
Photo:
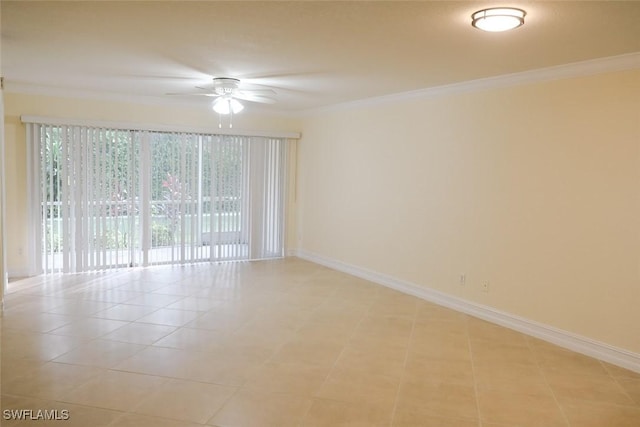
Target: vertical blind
[{"x": 106, "y": 198}]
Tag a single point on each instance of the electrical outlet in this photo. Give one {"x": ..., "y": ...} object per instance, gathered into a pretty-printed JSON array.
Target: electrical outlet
[
  {"x": 485, "y": 286},
  {"x": 462, "y": 280}
]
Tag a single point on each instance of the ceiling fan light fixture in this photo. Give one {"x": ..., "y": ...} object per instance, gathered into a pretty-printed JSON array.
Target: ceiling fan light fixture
[
  {"x": 498, "y": 19},
  {"x": 227, "y": 105}
]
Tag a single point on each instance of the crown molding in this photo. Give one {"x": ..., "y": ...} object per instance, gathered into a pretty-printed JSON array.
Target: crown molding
[{"x": 567, "y": 71}]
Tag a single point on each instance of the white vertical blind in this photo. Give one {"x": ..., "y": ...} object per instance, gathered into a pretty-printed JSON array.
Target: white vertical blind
[
  {"x": 84, "y": 187},
  {"x": 267, "y": 173},
  {"x": 105, "y": 198}
]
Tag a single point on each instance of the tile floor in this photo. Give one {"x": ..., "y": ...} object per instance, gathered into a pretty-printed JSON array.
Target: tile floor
[{"x": 283, "y": 343}]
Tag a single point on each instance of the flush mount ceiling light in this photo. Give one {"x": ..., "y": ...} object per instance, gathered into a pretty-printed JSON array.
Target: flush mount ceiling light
[{"x": 497, "y": 19}]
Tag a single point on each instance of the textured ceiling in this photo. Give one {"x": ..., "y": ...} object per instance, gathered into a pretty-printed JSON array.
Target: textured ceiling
[{"x": 313, "y": 54}]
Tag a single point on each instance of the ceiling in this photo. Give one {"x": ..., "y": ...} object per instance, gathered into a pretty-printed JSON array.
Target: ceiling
[{"x": 313, "y": 53}]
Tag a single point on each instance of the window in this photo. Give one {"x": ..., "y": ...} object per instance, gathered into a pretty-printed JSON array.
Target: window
[{"x": 104, "y": 197}]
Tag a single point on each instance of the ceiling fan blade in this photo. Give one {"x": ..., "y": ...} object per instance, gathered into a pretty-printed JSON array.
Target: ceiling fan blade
[
  {"x": 255, "y": 98},
  {"x": 293, "y": 82},
  {"x": 193, "y": 94},
  {"x": 257, "y": 92},
  {"x": 156, "y": 77},
  {"x": 229, "y": 87},
  {"x": 279, "y": 75}
]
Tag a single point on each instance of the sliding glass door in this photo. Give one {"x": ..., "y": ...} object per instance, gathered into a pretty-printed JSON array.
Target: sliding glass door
[
  {"x": 198, "y": 197},
  {"x": 87, "y": 197},
  {"x": 109, "y": 198}
]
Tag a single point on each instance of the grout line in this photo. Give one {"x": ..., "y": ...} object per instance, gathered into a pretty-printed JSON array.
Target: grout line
[
  {"x": 473, "y": 371},
  {"x": 344, "y": 346},
  {"x": 616, "y": 380},
  {"x": 406, "y": 359},
  {"x": 289, "y": 338},
  {"x": 546, "y": 380},
  {"x": 227, "y": 400}
]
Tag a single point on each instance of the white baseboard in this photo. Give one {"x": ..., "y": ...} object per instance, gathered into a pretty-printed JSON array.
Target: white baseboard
[
  {"x": 292, "y": 252},
  {"x": 15, "y": 273},
  {"x": 580, "y": 344}
]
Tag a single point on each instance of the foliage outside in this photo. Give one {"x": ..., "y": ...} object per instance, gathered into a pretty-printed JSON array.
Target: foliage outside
[{"x": 185, "y": 169}]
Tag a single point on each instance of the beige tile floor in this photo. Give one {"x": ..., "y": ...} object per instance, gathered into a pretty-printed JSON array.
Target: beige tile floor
[{"x": 284, "y": 343}]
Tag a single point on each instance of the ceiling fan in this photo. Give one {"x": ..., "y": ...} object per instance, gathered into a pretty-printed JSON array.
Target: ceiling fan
[
  {"x": 227, "y": 92},
  {"x": 227, "y": 89}
]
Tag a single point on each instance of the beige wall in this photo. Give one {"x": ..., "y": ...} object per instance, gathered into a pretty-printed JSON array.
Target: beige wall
[
  {"x": 16, "y": 150},
  {"x": 534, "y": 188}
]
